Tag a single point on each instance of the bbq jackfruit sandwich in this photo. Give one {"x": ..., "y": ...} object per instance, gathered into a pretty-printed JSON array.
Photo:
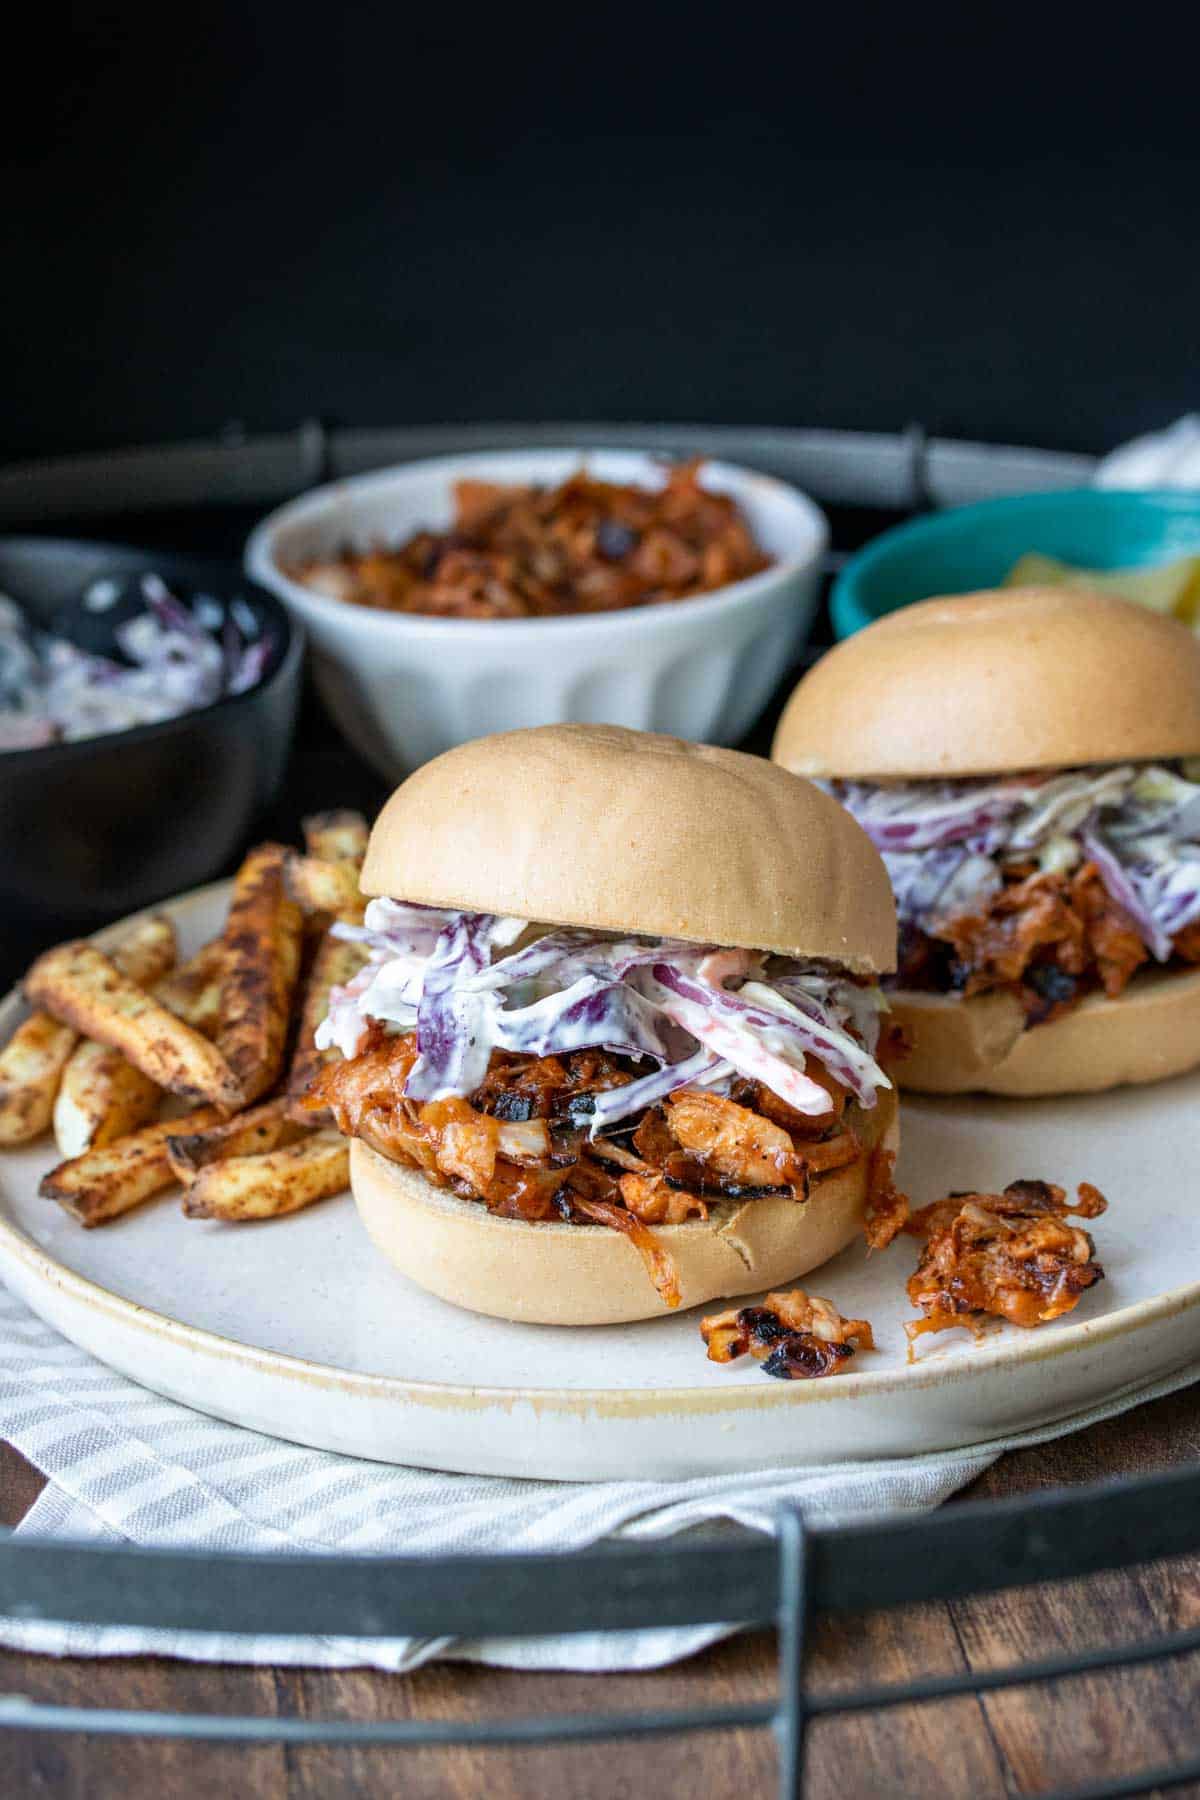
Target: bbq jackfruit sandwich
[
  {"x": 1024, "y": 761},
  {"x": 614, "y": 1048}
]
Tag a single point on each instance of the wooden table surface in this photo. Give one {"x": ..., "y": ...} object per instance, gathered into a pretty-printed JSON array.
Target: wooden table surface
[{"x": 1012, "y": 1743}]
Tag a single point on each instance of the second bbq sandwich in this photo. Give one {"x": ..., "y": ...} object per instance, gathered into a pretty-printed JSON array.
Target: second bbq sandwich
[
  {"x": 615, "y": 1049},
  {"x": 1022, "y": 760}
]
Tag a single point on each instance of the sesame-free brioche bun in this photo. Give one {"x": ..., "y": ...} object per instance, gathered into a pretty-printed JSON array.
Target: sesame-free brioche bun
[
  {"x": 995, "y": 682},
  {"x": 622, "y": 831},
  {"x": 980, "y": 1045},
  {"x": 558, "y": 1274}
]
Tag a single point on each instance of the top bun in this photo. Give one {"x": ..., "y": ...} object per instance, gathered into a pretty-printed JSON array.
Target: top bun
[
  {"x": 622, "y": 831},
  {"x": 984, "y": 684}
]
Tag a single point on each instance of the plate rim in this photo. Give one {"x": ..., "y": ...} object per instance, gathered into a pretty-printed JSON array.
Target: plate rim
[{"x": 939, "y": 1368}]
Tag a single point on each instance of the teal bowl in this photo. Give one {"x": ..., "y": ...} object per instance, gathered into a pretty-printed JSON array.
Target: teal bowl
[{"x": 970, "y": 547}]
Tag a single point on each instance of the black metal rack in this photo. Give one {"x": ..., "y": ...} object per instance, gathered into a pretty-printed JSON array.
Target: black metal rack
[
  {"x": 972, "y": 1549},
  {"x": 967, "y": 1550},
  {"x": 893, "y": 472}
]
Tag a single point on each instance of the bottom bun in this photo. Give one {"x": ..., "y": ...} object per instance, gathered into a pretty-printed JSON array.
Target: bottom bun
[
  {"x": 981, "y": 1045},
  {"x": 553, "y": 1273}
]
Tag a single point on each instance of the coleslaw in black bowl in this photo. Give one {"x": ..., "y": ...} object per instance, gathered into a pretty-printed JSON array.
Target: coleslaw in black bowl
[
  {"x": 141, "y": 737},
  {"x": 129, "y": 651}
]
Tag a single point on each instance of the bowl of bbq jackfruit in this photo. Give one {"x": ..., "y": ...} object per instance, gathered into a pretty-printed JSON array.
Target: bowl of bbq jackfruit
[{"x": 454, "y": 597}]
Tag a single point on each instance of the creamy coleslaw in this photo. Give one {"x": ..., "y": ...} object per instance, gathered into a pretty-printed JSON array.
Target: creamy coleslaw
[
  {"x": 946, "y": 844},
  {"x": 179, "y": 657},
  {"x": 469, "y": 984}
]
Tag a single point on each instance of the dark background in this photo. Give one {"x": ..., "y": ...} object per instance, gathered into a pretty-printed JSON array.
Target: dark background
[{"x": 984, "y": 219}]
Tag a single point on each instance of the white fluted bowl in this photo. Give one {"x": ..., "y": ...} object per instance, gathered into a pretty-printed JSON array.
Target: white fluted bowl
[{"x": 404, "y": 688}]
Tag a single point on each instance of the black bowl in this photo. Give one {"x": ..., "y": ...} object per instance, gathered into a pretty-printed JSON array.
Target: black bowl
[{"x": 93, "y": 829}]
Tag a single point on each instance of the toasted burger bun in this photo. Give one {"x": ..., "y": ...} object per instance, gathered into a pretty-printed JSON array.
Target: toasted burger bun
[
  {"x": 622, "y": 831},
  {"x": 1151, "y": 1031},
  {"x": 559, "y": 1274},
  {"x": 996, "y": 682}
]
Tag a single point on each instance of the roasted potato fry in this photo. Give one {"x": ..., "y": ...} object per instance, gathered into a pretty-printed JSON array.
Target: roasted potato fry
[
  {"x": 103, "y": 1184},
  {"x": 319, "y": 886},
  {"x": 264, "y": 1127},
  {"x": 146, "y": 953},
  {"x": 33, "y": 1060},
  {"x": 262, "y": 967},
  {"x": 31, "y": 1067},
  {"x": 81, "y": 987},
  {"x": 333, "y": 964},
  {"x": 115, "y": 1031},
  {"x": 265, "y": 1187},
  {"x": 339, "y": 836},
  {"x": 193, "y": 990},
  {"x": 101, "y": 1097}
]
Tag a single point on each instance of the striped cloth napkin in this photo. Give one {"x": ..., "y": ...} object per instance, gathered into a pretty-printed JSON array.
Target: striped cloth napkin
[{"x": 126, "y": 1467}]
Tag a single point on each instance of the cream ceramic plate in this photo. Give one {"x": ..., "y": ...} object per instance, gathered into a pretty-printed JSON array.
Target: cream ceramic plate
[{"x": 299, "y": 1329}]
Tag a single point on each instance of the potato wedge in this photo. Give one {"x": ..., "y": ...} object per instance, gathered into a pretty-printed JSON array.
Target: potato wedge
[
  {"x": 262, "y": 967},
  {"x": 33, "y": 1060},
  {"x": 193, "y": 990},
  {"x": 101, "y": 1097},
  {"x": 31, "y": 1068},
  {"x": 320, "y": 886},
  {"x": 78, "y": 985},
  {"x": 266, "y": 1187},
  {"x": 339, "y": 836},
  {"x": 265, "y": 1127},
  {"x": 103, "y": 1184},
  {"x": 333, "y": 964},
  {"x": 146, "y": 952}
]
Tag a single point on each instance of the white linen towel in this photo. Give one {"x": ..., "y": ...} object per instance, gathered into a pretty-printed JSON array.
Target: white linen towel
[{"x": 125, "y": 1466}]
